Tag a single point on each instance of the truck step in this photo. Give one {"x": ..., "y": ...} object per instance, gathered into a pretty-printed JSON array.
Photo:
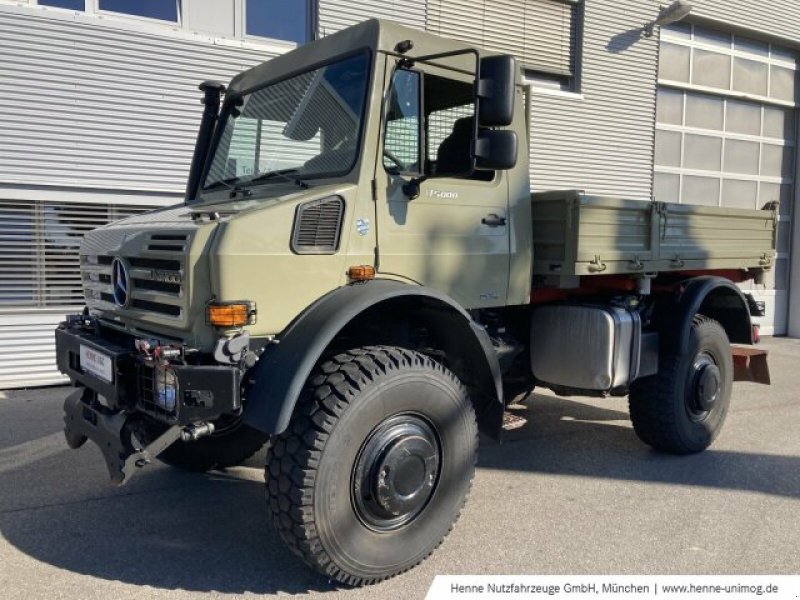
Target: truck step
[{"x": 512, "y": 421}]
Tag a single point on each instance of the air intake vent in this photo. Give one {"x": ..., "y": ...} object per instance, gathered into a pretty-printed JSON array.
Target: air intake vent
[
  {"x": 317, "y": 226},
  {"x": 161, "y": 242}
]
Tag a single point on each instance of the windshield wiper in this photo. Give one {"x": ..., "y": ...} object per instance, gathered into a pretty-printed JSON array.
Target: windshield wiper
[
  {"x": 228, "y": 183},
  {"x": 284, "y": 174}
]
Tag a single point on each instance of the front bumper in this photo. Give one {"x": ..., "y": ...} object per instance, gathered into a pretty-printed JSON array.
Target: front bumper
[{"x": 203, "y": 393}]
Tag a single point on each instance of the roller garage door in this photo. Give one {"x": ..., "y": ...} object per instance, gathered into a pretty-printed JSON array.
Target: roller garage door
[{"x": 726, "y": 132}]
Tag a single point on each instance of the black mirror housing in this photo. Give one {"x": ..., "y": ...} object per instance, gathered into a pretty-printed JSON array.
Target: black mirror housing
[
  {"x": 496, "y": 150},
  {"x": 496, "y": 88}
]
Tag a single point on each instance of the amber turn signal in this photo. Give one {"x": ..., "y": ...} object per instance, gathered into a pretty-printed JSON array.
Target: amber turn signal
[
  {"x": 231, "y": 314},
  {"x": 361, "y": 273}
]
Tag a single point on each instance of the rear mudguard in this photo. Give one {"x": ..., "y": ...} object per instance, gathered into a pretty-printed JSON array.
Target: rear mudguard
[{"x": 714, "y": 297}]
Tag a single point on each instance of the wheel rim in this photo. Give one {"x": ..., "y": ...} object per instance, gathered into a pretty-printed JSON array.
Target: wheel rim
[
  {"x": 704, "y": 387},
  {"x": 396, "y": 472}
]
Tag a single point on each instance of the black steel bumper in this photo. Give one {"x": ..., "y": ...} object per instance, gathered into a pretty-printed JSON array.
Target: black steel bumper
[{"x": 204, "y": 392}]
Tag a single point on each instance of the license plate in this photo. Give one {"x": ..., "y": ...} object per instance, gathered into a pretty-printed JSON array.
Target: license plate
[{"x": 96, "y": 363}]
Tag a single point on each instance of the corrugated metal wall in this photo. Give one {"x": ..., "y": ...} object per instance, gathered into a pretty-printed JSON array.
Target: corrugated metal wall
[
  {"x": 601, "y": 139},
  {"x": 95, "y": 106},
  {"x": 88, "y": 106},
  {"x": 338, "y": 14}
]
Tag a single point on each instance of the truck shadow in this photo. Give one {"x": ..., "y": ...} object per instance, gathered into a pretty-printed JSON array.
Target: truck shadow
[
  {"x": 179, "y": 531},
  {"x": 169, "y": 530},
  {"x": 570, "y": 437}
]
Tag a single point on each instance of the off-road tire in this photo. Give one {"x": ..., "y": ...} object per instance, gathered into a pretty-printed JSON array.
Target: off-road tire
[
  {"x": 228, "y": 448},
  {"x": 658, "y": 404},
  {"x": 312, "y": 466}
]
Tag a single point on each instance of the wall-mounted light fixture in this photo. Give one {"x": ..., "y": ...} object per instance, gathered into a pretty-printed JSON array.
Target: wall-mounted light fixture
[{"x": 670, "y": 14}]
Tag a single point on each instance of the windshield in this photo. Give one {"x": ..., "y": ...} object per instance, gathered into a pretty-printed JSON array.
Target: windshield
[{"x": 307, "y": 126}]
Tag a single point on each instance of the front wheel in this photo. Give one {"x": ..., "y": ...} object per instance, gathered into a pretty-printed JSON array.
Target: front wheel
[
  {"x": 375, "y": 466},
  {"x": 682, "y": 408}
]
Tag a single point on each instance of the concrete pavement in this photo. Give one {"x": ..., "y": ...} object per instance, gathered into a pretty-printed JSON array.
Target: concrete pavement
[{"x": 572, "y": 492}]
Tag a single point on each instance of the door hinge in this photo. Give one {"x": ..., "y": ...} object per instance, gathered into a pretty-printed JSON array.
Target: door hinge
[{"x": 374, "y": 185}]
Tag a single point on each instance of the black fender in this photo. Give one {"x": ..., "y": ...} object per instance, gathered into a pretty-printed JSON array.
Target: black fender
[
  {"x": 283, "y": 368},
  {"x": 714, "y": 297}
]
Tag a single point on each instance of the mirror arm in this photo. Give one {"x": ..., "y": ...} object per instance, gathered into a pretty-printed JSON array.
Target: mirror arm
[{"x": 411, "y": 188}]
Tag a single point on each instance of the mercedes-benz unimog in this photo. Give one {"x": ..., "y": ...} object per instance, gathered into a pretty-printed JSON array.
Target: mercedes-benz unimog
[{"x": 360, "y": 277}]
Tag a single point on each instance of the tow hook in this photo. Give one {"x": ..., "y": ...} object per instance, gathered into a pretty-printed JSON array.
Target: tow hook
[
  {"x": 195, "y": 432},
  {"x": 122, "y": 449},
  {"x": 146, "y": 454}
]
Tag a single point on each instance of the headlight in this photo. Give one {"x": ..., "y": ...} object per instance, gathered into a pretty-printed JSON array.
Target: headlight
[{"x": 166, "y": 392}]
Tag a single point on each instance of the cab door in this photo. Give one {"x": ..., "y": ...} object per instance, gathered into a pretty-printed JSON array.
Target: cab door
[{"x": 454, "y": 235}]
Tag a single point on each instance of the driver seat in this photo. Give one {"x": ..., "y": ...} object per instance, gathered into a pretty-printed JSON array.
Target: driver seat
[{"x": 453, "y": 156}]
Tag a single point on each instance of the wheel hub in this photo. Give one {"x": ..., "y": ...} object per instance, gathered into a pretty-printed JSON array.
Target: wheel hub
[
  {"x": 708, "y": 387},
  {"x": 396, "y": 472},
  {"x": 705, "y": 389}
]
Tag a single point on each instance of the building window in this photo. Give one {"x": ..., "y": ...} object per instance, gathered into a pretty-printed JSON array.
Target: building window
[
  {"x": 544, "y": 34},
  {"x": 287, "y": 20},
  {"x": 163, "y": 10},
  {"x": 68, "y": 4},
  {"x": 726, "y": 125}
]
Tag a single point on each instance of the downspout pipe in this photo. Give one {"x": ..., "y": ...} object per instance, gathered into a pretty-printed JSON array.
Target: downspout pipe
[{"x": 212, "y": 93}]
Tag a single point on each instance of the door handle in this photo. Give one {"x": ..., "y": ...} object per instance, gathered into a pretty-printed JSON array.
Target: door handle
[{"x": 493, "y": 220}]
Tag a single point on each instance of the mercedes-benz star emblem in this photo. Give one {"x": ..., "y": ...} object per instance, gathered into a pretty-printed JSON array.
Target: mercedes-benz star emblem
[{"x": 120, "y": 283}]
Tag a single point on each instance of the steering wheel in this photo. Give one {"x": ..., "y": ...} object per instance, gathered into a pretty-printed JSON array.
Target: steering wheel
[{"x": 391, "y": 156}]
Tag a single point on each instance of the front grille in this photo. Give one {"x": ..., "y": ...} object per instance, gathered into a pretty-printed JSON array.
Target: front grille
[
  {"x": 159, "y": 307},
  {"x": 154, "y": 263},
  {"x": 156, "y": 283},
  {"x": 168, "y": 242},
  {"x": 156, "y": 286}
]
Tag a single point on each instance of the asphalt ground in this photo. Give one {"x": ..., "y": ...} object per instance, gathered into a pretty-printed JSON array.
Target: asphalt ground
[{"x": 572, "y": 492}]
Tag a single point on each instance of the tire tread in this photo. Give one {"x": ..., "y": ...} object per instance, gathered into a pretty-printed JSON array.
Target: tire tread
[
  {"x": 326, "y": 397},
  {"x": 650, "y": 401}
]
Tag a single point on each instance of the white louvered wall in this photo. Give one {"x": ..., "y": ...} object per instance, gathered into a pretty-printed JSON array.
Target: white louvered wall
[
  {"x": 95, "y": 106},
  {"x": 538, "y": 32},
  {"x": 41, "y": 282},
  {"x": 601, "y": 138},
  {"x": 338, "y": 14},
  {"x": 86, "y": 105}
]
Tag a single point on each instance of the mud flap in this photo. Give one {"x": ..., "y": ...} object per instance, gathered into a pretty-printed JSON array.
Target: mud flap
[
  {"x": 750, "y": 364},
  {"x": 90, "y": 420}
]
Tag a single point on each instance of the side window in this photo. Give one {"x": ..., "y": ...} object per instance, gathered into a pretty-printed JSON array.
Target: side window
[
  {"x": 442, "y": 123},
  {"x": 449, "y": 127},
  {"x": 401, "y": 150}
]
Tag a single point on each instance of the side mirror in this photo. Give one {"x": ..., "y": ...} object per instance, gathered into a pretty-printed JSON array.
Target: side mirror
[
  {"x": 496, "y": 90},
  {"x": 496, "y": 150}
]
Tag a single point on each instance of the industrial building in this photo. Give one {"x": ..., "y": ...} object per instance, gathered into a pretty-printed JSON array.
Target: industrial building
[{"x": 100, "y": 108}]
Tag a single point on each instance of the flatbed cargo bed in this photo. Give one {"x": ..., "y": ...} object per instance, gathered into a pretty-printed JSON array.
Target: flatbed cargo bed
[{"x": 575, "y": 235}]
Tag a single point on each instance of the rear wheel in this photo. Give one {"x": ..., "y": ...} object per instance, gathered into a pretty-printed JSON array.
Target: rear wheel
[
  {"x": 681, "y": 409},
  {"x": 375, "y": 465}
]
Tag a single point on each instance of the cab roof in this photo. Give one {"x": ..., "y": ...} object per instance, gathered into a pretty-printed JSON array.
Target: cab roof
[{"x": 375, "y": 35}]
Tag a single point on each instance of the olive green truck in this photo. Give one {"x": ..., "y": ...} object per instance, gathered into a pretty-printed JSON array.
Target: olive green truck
[{"x": 360, "y": 278}]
